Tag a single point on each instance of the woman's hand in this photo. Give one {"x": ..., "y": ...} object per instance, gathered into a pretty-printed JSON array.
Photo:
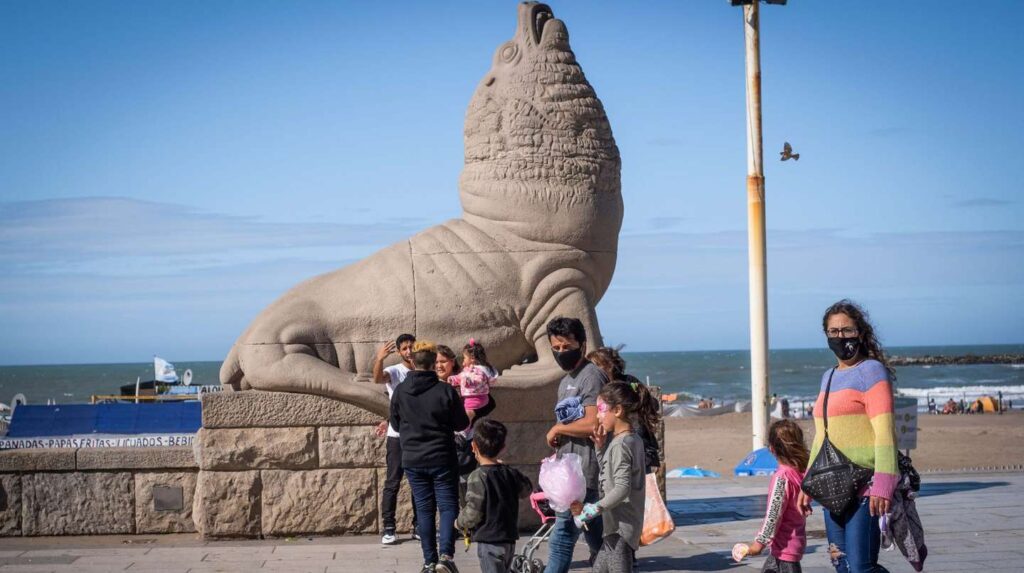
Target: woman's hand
[
  {"x": 803, "y": 502},
  {"x": 755, "y": 548},
  {"x": 879, "y": 506}
]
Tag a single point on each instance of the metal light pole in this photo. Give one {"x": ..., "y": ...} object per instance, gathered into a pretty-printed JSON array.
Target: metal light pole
[{"x": 755, "y": 225}]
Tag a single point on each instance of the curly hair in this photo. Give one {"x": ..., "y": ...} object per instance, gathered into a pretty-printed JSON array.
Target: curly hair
[
  {"x": 866, "y": 332},
  {"x": 609, "y": 360},
  {"x": 476, "y": 350}
]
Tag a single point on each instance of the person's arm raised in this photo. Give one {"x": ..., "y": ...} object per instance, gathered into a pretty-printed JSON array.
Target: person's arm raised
[{"x": 386, "y": 349}]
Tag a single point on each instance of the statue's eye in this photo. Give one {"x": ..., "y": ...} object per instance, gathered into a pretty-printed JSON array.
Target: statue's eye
[{"x": 509, "y": 53}]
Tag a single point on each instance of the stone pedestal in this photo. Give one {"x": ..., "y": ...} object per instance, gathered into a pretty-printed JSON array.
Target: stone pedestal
[
  {"x": 279, "y": 464},
  {"x": 96, "y": 491}
]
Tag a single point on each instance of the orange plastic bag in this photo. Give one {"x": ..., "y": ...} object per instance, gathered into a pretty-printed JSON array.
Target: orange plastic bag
[{"x": 658, "y": 522}]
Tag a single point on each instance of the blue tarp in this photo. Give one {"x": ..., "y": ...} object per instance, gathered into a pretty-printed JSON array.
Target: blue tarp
[
  {"x": 694, "y": 472},
  {"x": 757, "y": 463},
  {"x": 31, "y": 421}
]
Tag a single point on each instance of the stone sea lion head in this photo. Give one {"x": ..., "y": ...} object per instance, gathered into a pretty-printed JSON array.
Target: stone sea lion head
[{"x": 541, "y": 161}]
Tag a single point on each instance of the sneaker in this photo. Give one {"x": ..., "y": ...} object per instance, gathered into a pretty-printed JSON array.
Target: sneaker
[
  {"x": 428, "y": 568},
  {"x": 415, "y": 535},
  {"x": 389, "y": 537},
  {"x": 446, "y": 565}
]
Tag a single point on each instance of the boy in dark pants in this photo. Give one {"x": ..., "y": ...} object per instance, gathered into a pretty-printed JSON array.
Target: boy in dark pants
[{"x": 492, "y": 500}]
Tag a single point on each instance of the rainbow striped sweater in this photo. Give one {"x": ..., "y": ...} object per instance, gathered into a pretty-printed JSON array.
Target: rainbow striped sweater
[{"x": 860, "y": 422}]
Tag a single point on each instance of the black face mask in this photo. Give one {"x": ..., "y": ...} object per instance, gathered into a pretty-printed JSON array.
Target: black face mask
[
  {"x": 844, "y": 348},
  {"x": 568, "y": 359}
]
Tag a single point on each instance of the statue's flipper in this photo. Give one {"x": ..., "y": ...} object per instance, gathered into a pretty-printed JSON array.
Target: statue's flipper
[
  {"x": 278, "y": 370},
  {"x": 569, "y": 302}
]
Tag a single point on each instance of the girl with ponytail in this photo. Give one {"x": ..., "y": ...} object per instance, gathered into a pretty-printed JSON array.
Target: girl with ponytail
[{"x": 622, "y": 408}]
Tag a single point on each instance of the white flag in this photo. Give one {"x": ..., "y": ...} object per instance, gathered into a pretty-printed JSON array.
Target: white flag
[{"x": 163, "y": 371}]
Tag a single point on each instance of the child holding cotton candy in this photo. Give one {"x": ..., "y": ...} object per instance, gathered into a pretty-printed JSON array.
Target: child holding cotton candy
[
  {"x": 620, "y": 407},
  {"x": 783, "y": 529}
]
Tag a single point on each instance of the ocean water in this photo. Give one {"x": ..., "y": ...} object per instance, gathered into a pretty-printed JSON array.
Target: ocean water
[{"x": 724, "y": 375}]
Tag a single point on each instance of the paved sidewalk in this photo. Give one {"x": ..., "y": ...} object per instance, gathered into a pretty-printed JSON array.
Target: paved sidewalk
[{"x": 973, "y": 523}]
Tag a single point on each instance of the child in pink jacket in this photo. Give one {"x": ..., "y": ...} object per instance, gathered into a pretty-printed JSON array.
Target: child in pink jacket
[
  {"x": 782, "y": 531},
  {"x": 475, "y": 379}
]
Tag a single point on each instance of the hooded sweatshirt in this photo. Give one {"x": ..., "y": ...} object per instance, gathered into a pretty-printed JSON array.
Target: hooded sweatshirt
[{"x": 427, "y": 413}]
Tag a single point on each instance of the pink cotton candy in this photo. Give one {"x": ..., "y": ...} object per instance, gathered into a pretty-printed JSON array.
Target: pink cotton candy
[{"x": 561, "y": 478}]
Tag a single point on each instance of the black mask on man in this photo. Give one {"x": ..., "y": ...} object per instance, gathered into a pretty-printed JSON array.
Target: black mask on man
[
  {"x": 844, "y": 348},
  {"x": 568, "y": 359}
]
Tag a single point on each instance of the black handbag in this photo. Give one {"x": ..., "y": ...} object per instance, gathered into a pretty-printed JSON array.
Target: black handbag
[{"x": 832, "y": 479}]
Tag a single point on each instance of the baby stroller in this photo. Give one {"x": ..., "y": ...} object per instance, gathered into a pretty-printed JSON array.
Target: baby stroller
[{"x": 524, "y": 561}]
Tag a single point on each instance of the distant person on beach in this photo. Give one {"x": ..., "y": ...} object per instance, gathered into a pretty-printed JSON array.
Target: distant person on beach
[
  {"x": 783, "y": 529},
  {"x": 427, "y": 412},
  {"x": 391, "y": 377},
  {"x": 950, "y": 407},
  {"x": 860, "y": 413},
  {"x": 581, "y": 384},
  {"x": 614, "y": 366}
]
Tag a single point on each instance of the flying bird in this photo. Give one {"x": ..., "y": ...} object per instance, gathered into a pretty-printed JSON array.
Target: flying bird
[{"x": 787, "y": 152}]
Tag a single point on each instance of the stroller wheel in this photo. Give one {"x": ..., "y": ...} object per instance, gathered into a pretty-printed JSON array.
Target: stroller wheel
[
  {"x": 536, "y": 566},
  {"x": 519, "y": 564}
]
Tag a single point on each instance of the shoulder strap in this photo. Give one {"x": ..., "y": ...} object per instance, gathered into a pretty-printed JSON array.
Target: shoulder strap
[{"x": 824, "y": 409}]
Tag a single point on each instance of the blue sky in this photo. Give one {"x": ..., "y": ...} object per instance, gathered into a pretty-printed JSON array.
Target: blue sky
[{"x": 167, "y": 169}]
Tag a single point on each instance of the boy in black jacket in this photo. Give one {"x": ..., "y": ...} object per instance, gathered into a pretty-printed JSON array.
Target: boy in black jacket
[
  {"x": 427, "y": 413},
  {"x": 492, "y": 500}
]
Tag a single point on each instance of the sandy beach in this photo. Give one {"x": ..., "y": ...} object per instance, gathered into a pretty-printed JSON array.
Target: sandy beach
[{"x": 944, "y": 442}]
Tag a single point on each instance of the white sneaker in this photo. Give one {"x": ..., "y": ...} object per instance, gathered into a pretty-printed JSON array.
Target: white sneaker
[{"x": 389, "y": 538}]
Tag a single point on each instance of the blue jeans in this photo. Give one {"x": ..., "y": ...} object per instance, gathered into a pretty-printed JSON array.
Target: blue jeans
[
  {"x": 856, "y": 538},
  {"x": 565, "y": 533},
  {"x": 435, "y": 489}
]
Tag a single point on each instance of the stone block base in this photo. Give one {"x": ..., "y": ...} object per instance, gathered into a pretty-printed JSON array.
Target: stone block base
[{"x": 78, "y": 503}]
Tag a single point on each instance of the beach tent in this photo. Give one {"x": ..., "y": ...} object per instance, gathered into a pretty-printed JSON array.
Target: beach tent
[
  {"x": 757, "y": 463},
  {"x": 678, "y": 410},
  {"x": 986, "y": 403}
]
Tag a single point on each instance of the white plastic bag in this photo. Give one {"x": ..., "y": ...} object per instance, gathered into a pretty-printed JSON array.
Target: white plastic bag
[{"x": 561, "y": 478}]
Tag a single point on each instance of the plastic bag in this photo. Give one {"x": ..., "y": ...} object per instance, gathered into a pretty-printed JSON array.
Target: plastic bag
[
  {"x": 561, "y": 478},
  {"x": 658, "y": 522}
]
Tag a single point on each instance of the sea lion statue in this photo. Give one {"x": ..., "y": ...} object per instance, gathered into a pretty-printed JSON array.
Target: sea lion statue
[{"x": 541, "y": 212}]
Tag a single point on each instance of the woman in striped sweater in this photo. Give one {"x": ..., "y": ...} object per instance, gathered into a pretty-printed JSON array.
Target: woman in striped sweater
[{"x": 860, "y": 423}]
